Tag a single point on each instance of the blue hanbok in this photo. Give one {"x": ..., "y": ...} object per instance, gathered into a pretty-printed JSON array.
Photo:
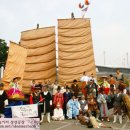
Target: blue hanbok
[{"x": 72, "y": 108}]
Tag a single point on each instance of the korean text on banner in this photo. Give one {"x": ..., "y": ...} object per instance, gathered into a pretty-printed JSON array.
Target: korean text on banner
[{"x": 25, "y": 111}]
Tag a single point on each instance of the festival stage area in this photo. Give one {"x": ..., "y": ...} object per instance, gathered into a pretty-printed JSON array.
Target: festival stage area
[{"x": 75, "y": 125}]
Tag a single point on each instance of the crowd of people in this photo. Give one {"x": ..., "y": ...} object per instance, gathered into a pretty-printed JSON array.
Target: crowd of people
[{"x": 85, "y": 100}]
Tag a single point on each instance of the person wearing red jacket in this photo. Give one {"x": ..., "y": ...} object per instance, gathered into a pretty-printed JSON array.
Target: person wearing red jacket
[
  {"x": 58, "y": 98},
  {"x": 36, "y": 98}
]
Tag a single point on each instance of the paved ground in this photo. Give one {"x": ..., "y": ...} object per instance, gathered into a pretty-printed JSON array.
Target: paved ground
[{"x": 75, "y": 125}]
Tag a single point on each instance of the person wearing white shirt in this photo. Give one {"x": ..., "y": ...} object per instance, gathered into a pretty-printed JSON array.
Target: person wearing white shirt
[
  {"x": 58, "y": 113},
  {"x": 84, "y": 78},
  {"x": 93, "y": 78}
]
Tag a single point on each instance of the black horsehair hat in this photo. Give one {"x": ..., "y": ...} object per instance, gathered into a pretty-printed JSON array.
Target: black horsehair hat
[
  {"x": 67, "y": 87},
  {"x": 18, "y": 78},
  {"x": 74, "y": 80},
  {"x": 59, "y": 88}
]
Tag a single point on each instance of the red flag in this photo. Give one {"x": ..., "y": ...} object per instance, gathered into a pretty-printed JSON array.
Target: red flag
[
  {"x": 81, "y": 6},
  {"x": 87, "y": 2}
]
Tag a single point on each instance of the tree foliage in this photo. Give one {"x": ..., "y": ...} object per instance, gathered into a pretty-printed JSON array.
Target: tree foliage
[{"x": 3, "y": 52}]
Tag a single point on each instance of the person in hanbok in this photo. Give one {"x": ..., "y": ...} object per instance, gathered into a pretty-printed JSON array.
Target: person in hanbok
[
  {"x": 105, "y": 85},
  {"x": 84, "y": 79},
  {"x": 3, "y": 100},
  {"x": 58, "y": 113},
  {"x": 63, "y": 87},
  {"x": 67, "y": 96},
  {"x": 83, "y": 105},
  {"x": 54, "y": 88},
  {"x": 119, "y": 75},
  {"x": 49, "y": 84},
  {"x": 93, "y": 107},
  {"x": 14, "y": 91},
  {"x": 118, "y": 99},
  {"x": 112, "y": 83},
  {"x": 39, "y": 86},
  {"x": 54, "y": 91},
  {"x": 36, "y": 98},
  {"x": 102, "y": 101},
  {"x": 75, "y": 89},
  {"x": 72, "y": 108},
  {"x": 91, "y": 88},
  {"x": 47, "y": 102},
  {"x": 58, "y": 98}
]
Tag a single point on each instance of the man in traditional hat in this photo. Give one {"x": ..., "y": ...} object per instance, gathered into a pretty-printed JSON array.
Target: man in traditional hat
[
  {"x": 117, "y": 105},
  {"x": 36, "y": 98},
  {"x": 67, "y": 96},
  {"x": 3, "y": 100},
  {"x": 47, "y": 102},
  {"x": 91, "y": 88},
  {"x": 39, "y": 86},
  {"x": 58, "y": 113},
  {"x": 75, "y": 88}
]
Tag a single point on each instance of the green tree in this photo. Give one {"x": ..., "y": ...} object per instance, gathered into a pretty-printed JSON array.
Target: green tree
[{"x": 3, "y": 52}]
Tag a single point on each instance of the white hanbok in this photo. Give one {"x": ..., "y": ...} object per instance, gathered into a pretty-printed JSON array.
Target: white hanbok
[
  {"x": 58, "y": 114},
  {"x": 84, "y": 79}
]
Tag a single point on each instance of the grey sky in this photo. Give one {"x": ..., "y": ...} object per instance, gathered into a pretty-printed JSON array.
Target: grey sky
[{"x": 110, "y": 21}]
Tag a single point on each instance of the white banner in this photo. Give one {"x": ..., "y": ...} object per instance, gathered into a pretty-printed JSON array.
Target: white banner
[
  {"x": 19, "y": 124},
  {"x": 25, "y": 111}
]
